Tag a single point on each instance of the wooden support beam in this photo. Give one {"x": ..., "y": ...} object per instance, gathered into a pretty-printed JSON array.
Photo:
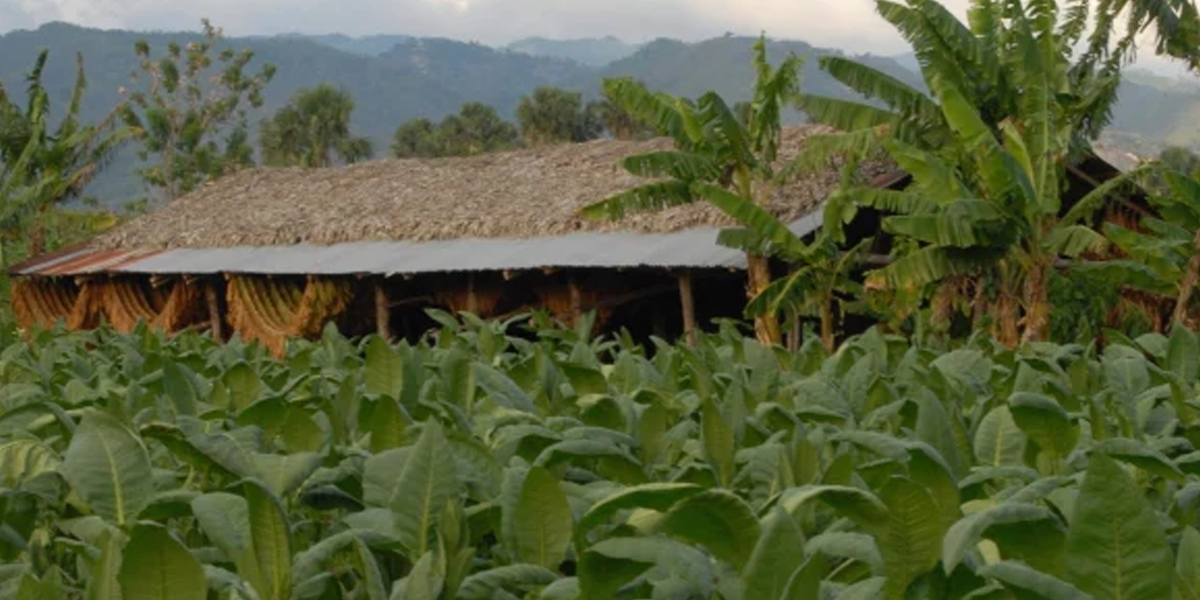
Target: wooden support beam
[
  {"x": 472, "y": 298},
  {"x": 215, "y": 322},
  {"x": 688, "y": 302},
  {"x": 576, "y": 300},
  {"x": 383, "y": 314}
]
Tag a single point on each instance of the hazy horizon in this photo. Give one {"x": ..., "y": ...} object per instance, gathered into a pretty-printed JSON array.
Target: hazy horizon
[{"x": 848, "y": 25}]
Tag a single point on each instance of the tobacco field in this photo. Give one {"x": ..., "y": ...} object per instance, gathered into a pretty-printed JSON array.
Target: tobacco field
[{"x": 490, "y": 462}]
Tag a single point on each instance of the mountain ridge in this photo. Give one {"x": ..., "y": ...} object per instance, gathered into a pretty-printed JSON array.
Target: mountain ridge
[{"x": 394, "y": 78}]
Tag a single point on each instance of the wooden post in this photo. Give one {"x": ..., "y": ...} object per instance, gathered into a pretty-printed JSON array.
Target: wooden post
[
  {"x": 213, "y": 299},
  {"x": 576, "y": 300},
  {"x": 688, "y": 302},
  {"x": 472, "y": 299},
  {"x": 383, "y": 314}
]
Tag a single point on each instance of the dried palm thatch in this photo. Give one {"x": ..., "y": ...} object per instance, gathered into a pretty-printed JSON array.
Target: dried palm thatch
[
  {"x": 270, "y": 310},
  {"x": 41, "y": 303},
  {"x": 519, "y": 194}
]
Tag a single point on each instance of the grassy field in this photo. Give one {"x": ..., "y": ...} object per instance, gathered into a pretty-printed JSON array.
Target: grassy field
[{"x": 495, "y": 463}]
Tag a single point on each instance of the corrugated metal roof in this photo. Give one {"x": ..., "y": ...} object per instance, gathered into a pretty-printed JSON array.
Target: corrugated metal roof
[{"x": 696, "y": 248}]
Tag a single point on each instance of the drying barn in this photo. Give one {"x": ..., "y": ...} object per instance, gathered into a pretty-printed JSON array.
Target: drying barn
[{"x": 274, "y": 253}]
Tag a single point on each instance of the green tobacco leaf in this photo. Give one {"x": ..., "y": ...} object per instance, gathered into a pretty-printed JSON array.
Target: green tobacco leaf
[
  {"x": 1140, "y": 455},
  {"x": 805, "y": 582},
  {"x": 1116, "y": 547},
  {"x": 283, "y": 474},
  {"x": 1187, "y": 565},
  {"x": 109, "y": 467},
  {"x": 272, "y": 540},
  {"x": 1045, "y": 422},
  {"x": 542, "y": 523},
  {"x": 858, "y": 505},
  {"x": 720, "y": 521},
  {"x": 1183, "y": 354},
  {"x": 381, "y": 476},
  {"x": 1038, "y": 521},
  {"x": 1028, "y": 584},
  {"x": 368, "y": 567},
  {"x": 656, "y": 496},
  {"x": 935, "y": 428},
  {"x": 243, "y": 386},
  {"x": 501, "y": 389},
  {"x": 424, "y": 486},
  {"x": 384, "y": 369},
  {"x": 776, "y": 557},
  {"x": 103, "y": 582},
  {"x": 154, "y": 566},
  {"x": 180, "y": 386},
  {"x": 718, "y": 441},
  {"x": 844, "y": 544},
  {"x": 999, "y": 442},
  {"x": 486, "y": 585},
  {"x": 425, "y": 582},
  {"x": 388, "y": 425},
  {"x": 225, "y": 519},
  {"x": 611, "y": 564},
  {"x": 912, "y": 543}
]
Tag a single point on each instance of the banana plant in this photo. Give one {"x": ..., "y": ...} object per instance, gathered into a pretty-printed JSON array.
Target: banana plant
[{"x": 717, "y": 154}]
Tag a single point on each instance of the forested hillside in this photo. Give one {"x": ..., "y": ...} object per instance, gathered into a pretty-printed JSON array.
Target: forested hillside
[{"x": 397, "y": 78}]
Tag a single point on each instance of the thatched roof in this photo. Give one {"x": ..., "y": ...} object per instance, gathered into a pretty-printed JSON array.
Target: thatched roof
[{"x": 524, "y": 193}]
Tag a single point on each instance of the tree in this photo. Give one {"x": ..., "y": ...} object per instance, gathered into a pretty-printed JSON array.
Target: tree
[
  {"x": 312, "y": 129},
  {"x": 1168, "y": 248},
  {"x": 485, "y": 131},
  {"x": 41, "y": 166},
  {"x": 718, "y": 159},
  {"x": 987, "y": 153},
  {"x": 616, "y": 120},
  {"x": 552, "y": 115},
  {"x": 186, "y": 104},
  {"x": 414, "y": 138},
  {"x": 476, "y": 129}
]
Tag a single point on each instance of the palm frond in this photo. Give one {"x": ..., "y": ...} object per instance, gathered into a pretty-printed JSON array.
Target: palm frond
[
  {"x": 725, "y": 124},
  {"x": 875, "y": 84},
  {"x": 687, "y": 166},
  {"x": 963, "y": 224},
  {"x": 890, "y": 201},
  {"x": 844, "y": 115},
  {"x": 927, "y": 265},
  {"x": 822, "y": 151},
  {"x": 647, "y": 198},
  {"x": 1074, "y": 240},
  {"x": 649, "y": 109},
  {"x": 1103, "y": 194},
  {"x": 752, "y": 217},
  {"x": 936, "y": 179},
  {"x": 1123, "y": 273}
]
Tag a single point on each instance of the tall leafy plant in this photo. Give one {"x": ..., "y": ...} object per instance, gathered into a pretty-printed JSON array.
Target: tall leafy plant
[
  {"x": 718, "y": 158},
  {"x": 190, "y": 106}
]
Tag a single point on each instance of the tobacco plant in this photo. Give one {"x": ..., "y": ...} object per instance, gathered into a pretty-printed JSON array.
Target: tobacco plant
[{"x": 498, "y": 461}]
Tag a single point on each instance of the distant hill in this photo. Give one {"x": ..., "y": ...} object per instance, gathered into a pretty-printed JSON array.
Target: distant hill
[
  {"x": 593, "y": 52},
  {"x": 370, "y": 45},
  {"x": 396, "y": 78}
]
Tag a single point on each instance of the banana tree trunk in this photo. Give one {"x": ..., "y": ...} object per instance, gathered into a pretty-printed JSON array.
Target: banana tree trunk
[
  {"x": 827, "y": 325},
  {"x": 1190, "y": 278},
  {"x": 1037, "y": 303},
  {"x": 1007, "y": 318},
  {"x": 766, "y": 326}
]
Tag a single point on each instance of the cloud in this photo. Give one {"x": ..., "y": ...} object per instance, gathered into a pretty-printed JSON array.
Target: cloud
[{"x": 851, "y": 24}]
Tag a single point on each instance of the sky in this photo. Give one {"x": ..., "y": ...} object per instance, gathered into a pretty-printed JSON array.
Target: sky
[
  {"x": 840, "y": 23},
  {"x": 850, "y": 25}
]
